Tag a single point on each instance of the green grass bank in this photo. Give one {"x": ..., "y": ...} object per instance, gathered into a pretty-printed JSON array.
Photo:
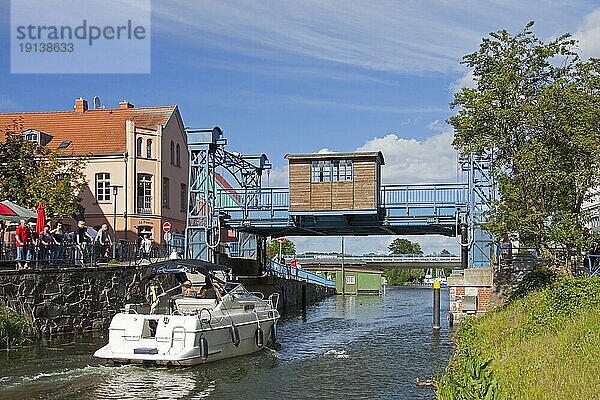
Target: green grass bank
[{"x": 543, "y": 345}]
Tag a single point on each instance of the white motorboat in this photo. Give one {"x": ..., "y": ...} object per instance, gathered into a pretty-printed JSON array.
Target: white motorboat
[
  {"x": 188, "y": 327},
  {"x": 441, "y": 277}
]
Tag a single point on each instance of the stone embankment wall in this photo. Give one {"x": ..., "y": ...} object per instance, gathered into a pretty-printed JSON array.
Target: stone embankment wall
[
  {"x": 71, "y": 299},
  {"x": 290, "y": 291},
  {"x": 74, "y": 300}
]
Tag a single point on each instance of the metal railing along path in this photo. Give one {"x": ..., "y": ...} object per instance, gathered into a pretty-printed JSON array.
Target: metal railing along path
[{"x": 293, "y": 273}]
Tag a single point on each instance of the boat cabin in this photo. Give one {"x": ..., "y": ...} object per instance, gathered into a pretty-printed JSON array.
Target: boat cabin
[{"x": 335, "y": 181}]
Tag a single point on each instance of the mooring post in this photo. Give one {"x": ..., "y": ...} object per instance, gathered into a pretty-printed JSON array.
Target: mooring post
[
  {"x": 303, "y": 300},
  {"x": 436, "y": 304}
]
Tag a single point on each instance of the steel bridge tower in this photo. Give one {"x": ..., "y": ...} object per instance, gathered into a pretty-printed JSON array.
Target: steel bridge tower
[
  {"x": 209, "y": 160},
  {"x": 482, "y": 192}
]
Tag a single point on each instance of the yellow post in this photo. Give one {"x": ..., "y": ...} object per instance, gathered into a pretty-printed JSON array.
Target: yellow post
[{"x": 436, "y": 304}]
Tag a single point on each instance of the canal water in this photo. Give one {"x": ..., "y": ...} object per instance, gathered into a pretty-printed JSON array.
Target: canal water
[{"x": 365, "y": 347}]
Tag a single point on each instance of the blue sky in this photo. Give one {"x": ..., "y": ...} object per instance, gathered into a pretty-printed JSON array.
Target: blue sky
[{"x": 301, "y": 76}]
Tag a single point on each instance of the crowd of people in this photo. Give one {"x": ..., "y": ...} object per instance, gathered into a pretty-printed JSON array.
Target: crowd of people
[{"x": 48, "y": 247}]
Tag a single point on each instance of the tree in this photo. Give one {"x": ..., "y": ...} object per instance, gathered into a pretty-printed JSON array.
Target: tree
[
  {"x": 32, "y": 174},
  {"x": 445, "y": 252},
  {"x": 536, "y": 111},
  {"x": 404, "y": 246},
  {"x": 287, "y": 248}
]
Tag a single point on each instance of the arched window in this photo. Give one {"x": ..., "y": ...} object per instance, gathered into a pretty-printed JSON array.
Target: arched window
[
  {"x": 172, "y": 153},
  {"x": 178, "y": 154},
  {"x": 138, "y": 147},
  {"x": 149, "y": 148}
]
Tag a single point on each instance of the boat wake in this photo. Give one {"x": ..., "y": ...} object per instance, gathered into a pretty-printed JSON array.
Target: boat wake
[{"x": 335, "y": 353}]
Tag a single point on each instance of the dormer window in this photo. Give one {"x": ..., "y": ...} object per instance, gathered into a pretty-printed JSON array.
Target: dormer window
[{"x": 38, "y": 137}]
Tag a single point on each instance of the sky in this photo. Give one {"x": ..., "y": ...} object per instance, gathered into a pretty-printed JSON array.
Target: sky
[{"x": 303, "y": 76}]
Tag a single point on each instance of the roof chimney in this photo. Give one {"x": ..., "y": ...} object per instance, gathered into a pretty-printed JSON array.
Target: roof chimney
[
  {"x": 125, "y": 104},
  {"x": 81, "y": 105}
]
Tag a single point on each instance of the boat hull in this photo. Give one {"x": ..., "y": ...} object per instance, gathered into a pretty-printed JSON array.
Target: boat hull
[{"x": 179, "y": 340}]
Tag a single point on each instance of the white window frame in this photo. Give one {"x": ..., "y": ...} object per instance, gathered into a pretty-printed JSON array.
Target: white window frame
[{"x": 103, "y": 192}]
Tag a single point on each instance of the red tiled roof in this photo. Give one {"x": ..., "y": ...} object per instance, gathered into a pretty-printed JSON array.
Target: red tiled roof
[{"x": 91, "y": 132}]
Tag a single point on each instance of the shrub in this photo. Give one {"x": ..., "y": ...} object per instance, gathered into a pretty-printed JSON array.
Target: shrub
[
  {"x": 13, "y": 327},
  {"x": 535, "y": 280}
]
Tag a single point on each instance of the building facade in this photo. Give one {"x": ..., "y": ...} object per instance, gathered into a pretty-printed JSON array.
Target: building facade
[{"x": 137, "y": 162}]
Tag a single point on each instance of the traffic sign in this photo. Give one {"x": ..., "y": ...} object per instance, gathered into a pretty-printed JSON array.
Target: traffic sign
[
  {"x": 281, "y": 239},
  {"x": 168, "y": 236},
  {"x": 167, "y": 227}
]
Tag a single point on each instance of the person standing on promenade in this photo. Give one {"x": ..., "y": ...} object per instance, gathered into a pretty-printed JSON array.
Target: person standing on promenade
[
  {"x": 46, "y": 242},
  {"x": 58, "y": 234},
  {"x": 82, "y": 238},
  {"x": 22, "y": 241},
  {"x": 103, "y": 240}
]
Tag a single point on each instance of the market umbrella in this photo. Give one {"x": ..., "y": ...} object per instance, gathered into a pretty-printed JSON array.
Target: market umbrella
[
  {"x": 40, "y": 222},
  {"x": 6, "y": 211},
  {"x": 19, "y": 212}
]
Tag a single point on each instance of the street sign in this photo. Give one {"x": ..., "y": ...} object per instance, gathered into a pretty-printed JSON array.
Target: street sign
[
  {"x": 167, "y": 227},
  {"x": 281, "y": 239},
  {"x": 168, "y": 236}
]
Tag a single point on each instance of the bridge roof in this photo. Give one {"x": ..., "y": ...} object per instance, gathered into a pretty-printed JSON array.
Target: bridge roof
[{"x": 319, "y": 156}]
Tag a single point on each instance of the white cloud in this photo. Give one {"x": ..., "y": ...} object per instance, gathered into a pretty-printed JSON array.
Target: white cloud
[
  {"x": 467, "y": 80},
  {"x": 324, "y": 151},
  {"x": 588, "y": 35},
  {"x": 277, "y": 177},
  {"x": 432, "y": 160}
]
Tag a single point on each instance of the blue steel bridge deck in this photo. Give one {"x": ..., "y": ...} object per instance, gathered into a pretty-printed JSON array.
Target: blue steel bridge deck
[{"x": 413, "y": 209}]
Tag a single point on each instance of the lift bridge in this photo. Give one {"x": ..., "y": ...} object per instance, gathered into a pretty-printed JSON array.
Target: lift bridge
[{"x": 255, "y": 212}]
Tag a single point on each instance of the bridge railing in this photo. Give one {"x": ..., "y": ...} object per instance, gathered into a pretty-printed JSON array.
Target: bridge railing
[
  {"x": 265, "y": 199},
  {"x": 289, "y": 272},
  {"x": 441, "y": 195},
  {"x": 383, "y": 258}
]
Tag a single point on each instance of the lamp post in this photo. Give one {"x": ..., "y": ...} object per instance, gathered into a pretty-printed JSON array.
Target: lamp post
[{"x": 115, "y": 192}]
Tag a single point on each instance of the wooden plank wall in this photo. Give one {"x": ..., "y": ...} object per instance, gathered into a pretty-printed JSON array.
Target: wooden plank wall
[
  {"x": 360, "y": 194},
  {"x": 299, "y": 185},
  {"x": 364, "y": 185}
]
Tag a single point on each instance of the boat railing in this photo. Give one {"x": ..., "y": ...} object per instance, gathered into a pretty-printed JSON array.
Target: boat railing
[
  {"x": 260, "y": 295},
  {"x": 273, "y": 300}
]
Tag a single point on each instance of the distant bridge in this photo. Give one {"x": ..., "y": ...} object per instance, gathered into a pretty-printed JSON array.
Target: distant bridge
[{"x": 379, "y": 261}]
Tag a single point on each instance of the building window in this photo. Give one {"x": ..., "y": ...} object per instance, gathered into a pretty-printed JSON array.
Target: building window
[
  {"x": 138, "y": 147},
  {"x": 350, "y": 280},
  {"x": 165, "y": 193},
  {"x": 172, "y": 153},
  {"x": 320, "y": 171},
  {"x": 102, "y": 186},
  {"x": 178, "y": 156},
  {"x": 144, "y": 194},
  {"x": 341, "y": 171},
  {"x": 149, "y": 148},
  {"x": 183, "y": 199}
]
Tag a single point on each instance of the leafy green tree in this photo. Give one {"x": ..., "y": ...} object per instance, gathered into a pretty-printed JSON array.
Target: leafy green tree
[
  {"x": 404, "y": 246},
  {"x": 403, "y": 276},
  {"x": 536, "y": 110},
  {"x": 32, "y": 174},
  {"x": 445, "y": 252},
  {"x": 287, "y": 248}
]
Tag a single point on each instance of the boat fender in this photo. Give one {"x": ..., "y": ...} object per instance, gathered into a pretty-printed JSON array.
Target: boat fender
[
  {"x": 235, "y": 335},
  {"x": 274, "y": 333},
  {"x": 260, "y": 337},
  {"x": 203, "y": 348}
]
